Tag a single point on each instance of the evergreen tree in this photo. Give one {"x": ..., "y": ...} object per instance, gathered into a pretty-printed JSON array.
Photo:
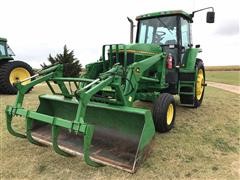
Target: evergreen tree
[{"x": 72, "y": 66}]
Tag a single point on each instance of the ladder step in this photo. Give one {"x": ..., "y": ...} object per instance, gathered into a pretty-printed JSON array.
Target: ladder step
[
  {"x": 187, "y": 82},
  {"x": 186, "y": 85},
  {"x": 187, "y": 93},
  {"x": 187, "y": 105}
]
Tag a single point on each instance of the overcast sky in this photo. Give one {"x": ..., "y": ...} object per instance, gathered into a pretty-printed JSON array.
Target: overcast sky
[{"x": 36, "y": 28}]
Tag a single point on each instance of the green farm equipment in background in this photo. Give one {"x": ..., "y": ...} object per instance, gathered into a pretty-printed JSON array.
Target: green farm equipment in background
[
  {"x": 94, "y": 115},
  {"x": 11, "y": 71}
]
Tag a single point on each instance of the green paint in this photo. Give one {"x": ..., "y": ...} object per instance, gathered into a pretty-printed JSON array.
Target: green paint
[{"x": 189, "y": 60}]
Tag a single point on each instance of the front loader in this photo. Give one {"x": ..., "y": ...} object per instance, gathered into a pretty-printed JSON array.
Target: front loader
[{"x": 94, "y": 115}]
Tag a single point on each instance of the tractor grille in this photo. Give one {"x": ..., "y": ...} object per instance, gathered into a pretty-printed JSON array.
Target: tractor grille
[{"x": 120, "y": 59}]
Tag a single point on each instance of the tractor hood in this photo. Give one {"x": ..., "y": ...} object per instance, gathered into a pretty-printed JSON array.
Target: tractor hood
[
  {"x": 150, "y": 49},
  {"x": 128, "y": 54},
  {"x": 141, "y": 49}
]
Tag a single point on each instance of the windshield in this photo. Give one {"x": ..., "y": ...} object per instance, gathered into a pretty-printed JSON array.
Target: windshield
[
  {"x": 2, "y": 50},
  {"x": 160, "y": 30}
]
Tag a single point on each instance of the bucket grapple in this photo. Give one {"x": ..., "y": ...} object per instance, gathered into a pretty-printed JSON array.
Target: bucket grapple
[{"x": 96, "y": 119}]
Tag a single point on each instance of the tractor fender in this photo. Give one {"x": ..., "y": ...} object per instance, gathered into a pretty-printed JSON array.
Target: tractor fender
[{"x": 190, "y": 58}]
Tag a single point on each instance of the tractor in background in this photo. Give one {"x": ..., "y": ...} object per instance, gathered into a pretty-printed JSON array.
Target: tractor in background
[{"x": 11, "y": 71}]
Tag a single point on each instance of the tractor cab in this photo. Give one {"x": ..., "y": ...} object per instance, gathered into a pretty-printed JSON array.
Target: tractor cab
[
  {"x": 169, "y": 29},
  {"x": 5, "y": 51}
]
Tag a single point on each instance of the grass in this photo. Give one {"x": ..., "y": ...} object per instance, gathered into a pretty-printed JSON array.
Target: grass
[
  {"x": 227, "y": 77},
  {"x": 223, "y": 68},
  {"x": 203, "y": 145}
]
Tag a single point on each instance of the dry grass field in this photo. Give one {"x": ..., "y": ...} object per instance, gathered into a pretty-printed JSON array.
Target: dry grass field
[
  {"x": 227, "y": 77},
  {"x": 223, "y": 68},
  {"x": 223, "y": 74},
  {"x": 203, "y": 145}
]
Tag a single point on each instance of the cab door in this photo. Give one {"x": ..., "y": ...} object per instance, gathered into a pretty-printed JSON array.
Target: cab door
[{"x": 185, "y": 37}]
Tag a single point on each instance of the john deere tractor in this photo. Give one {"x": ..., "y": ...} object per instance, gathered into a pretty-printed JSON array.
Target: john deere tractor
[
  {"x": 96, "y": 116},
  {"x": 11, "y": 71}
]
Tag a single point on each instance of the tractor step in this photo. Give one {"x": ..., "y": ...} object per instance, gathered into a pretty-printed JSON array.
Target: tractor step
[
  {"x": 187, "y": 93},
  {"x": 186, "y": 105},
  {"x": 187, "y": 82}
]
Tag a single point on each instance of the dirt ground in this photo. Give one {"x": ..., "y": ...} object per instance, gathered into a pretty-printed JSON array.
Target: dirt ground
[{"x": 226, "y": 87}]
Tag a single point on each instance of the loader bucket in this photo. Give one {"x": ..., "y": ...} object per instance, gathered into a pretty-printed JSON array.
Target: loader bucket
[{"x": 121, "y": 135}]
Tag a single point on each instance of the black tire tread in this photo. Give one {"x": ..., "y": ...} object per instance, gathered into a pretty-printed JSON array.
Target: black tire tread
[{"x": 160, "y": 110}]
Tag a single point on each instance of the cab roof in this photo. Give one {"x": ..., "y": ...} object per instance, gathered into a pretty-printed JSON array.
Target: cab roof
[
  {"x": 3, "y": 39},
  {"x": 165, "y": 13}
]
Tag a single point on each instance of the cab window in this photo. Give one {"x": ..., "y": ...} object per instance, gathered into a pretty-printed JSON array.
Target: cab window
[
  {"x": 160, "y": 30},
  {"x": 185, "y": 31},
  {"x": 2, "y": 50}
]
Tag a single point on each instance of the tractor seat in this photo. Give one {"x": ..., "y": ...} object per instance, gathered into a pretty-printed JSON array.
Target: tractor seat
[
  {"x": 173, "y": 41},
  {"x": 173, "y": 51}
]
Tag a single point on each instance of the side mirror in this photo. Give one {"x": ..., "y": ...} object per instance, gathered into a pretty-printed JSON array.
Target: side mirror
[{"x": 210, "y": 17}]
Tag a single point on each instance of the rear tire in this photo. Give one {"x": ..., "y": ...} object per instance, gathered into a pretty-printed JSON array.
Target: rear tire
[
  {"x": 164, "y": 111},
  {"x": 11, "y": 72}
]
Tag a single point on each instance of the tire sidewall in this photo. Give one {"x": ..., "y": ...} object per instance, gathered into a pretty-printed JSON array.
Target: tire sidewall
[
  {"x": 170, "y": 126},
  {"x": 160, "y": 112},
  {"x": 199, "y": 65}
]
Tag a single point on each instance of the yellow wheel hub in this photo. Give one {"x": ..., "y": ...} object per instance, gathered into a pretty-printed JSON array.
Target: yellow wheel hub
[
  {"x": 19, "y": 74},
  {"x": 199, "y": 85},
  {"x": 170, "y": 113}
]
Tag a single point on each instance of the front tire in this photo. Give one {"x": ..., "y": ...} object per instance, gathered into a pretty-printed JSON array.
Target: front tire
[
  {"x": 164, "y": 111},
  {"x": 10, "y": 73}
]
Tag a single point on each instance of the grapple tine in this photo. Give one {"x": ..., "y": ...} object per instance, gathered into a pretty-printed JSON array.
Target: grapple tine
[
  {"x": 29, "y": 123},
  {"x": 9, "y": 118},
  {"x": 55, "y": 133},
  {"x": 86, "y": 147}
]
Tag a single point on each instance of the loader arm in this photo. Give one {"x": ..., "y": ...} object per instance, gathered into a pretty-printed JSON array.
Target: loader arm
[{"x": 136, "y": 74}]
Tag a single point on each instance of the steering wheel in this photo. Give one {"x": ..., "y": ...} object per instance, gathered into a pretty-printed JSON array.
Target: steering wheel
[
  {"x": 160, "y": 33},
  {"x": 158, "y": 37}
]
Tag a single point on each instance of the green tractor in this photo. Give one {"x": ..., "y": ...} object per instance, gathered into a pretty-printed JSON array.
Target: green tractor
[
  {"x": 95, "y": 115},
  {"x": 11, "y": 71}
]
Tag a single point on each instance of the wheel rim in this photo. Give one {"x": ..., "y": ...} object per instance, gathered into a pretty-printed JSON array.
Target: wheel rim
[
  {"x": 170, "y": 113},
  {"x": 19, "y": 74},
  {"x": 200, "y": 87}
]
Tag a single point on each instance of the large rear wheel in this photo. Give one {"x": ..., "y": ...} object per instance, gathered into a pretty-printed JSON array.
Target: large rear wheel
[{"x": 10, "y": 73}]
